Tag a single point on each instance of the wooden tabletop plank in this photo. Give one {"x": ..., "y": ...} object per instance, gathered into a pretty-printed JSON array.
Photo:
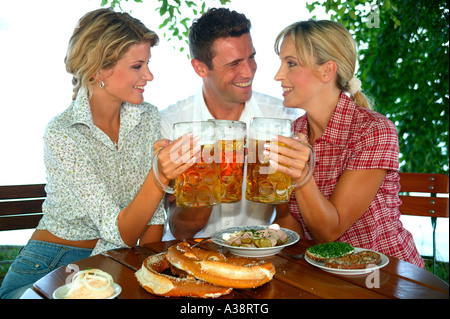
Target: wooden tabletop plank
[
  {"x": 294, "y": 279},
  {"x": 308, "y": 278},
  {"x": 398, "y": 279},
  {"x": 415, "y": 274}
]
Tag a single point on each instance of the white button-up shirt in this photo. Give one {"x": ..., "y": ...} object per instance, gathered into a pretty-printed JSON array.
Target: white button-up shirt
[{"x": 225, "y": 215}]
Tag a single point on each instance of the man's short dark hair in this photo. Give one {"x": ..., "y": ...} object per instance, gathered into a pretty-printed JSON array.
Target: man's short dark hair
[{"x": 214, "y": 24}]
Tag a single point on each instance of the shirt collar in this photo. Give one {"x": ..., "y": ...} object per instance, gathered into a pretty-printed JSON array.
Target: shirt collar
[
  {"x": 201, "y": 113},
  {"x": 338, "y": 128},
  {"x": 250, "y": 110},
  {"x": 81, "y": 110},
  {"x": 130, "y": 116}
]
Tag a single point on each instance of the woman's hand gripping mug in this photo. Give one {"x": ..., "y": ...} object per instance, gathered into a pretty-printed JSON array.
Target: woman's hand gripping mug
[
  {"x": 265, "y": 183},
  {"x": 199, "y": 185}
]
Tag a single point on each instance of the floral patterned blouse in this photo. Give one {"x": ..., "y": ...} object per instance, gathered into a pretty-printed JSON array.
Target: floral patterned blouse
[{"x": 89, "y": 180}]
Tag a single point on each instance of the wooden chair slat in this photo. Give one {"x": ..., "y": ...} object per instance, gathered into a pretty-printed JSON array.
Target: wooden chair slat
[
  {"x": 21, "y": 206},
  {"x": 424, "y": 206},
  {"x": 20, "y": 222},
  {"x": 429, "y": 204},
  {"x": 424, "y": 183},
  {"x": 22, "y": 191}
]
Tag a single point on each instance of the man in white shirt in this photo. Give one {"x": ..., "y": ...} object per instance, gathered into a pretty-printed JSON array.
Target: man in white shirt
[{"x": 223, "y": 56}]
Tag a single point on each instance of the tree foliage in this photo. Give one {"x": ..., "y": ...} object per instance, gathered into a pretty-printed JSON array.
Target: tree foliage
[
  {"x": 175, "y": 15},
  {"x": 404, "y": 65}
]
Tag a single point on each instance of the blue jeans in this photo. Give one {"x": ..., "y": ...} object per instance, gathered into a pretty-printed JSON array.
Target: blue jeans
[{"x": 35, "y": 260}]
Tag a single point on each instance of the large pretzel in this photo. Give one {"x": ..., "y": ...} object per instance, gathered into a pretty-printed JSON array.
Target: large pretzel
[
  {"x": 215, "y": 268},
  {"x": 150, "y": 277}
]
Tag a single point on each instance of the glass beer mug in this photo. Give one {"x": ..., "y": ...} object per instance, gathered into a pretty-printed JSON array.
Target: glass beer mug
[
  {"x": 264, "y": 183},
  {"x": 199, "y": 185},
  {"x": 230, "y": 144}
]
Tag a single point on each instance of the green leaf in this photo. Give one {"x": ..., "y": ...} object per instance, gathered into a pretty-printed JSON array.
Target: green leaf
[
  {"x": 404, "y": 67},
  {"x": 166, "y": 21}
]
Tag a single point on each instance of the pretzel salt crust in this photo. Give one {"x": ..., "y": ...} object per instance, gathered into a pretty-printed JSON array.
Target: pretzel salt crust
[
  {"x": 150, "y": 277},
  {"x": 213, "y": 267}
]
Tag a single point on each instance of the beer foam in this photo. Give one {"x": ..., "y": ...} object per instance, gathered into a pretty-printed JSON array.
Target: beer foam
[
  {"x": 267, "y": 128},
  {"x": 229, "y": 134},
  {"x": 230, "y": 130},
  {"x": 203, "y": 129}
]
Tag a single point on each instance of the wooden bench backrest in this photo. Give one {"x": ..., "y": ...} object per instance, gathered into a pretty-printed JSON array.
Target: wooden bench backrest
[
  {"x": 21, "y": 206},
  {"x": 426, "y": 204}
]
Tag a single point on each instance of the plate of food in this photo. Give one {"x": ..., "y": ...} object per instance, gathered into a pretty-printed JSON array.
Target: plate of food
[
  {"x": 255, "y": 241},
  {"x": 343, "y": 259},
  {"x": 89, "y": 284}
]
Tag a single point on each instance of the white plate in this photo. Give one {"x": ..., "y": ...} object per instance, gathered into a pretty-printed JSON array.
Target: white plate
[
  {"x": 61, "y": 291},
  {"x": 369, "y": 269},
  {"x": 217, "y": 238}
]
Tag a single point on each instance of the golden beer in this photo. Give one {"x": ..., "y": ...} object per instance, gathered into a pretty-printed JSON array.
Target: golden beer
[
  {"x": 231, "y": 167},
  {"x": 264, "y": 183},
  {"x": 199, "y": 185},
  {"x": 231, "y": 150}
]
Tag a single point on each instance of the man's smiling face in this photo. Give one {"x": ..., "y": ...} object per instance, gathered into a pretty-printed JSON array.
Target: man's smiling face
[{"x": 234, "y": 67}]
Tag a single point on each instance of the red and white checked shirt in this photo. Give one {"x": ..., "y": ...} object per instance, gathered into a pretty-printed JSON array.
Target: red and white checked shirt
[{"x": 357, "y": 138}]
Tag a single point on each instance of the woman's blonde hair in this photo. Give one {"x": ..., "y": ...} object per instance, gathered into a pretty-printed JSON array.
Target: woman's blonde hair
[
  {"x": 324, "y": 41},
  {"x": 100, "y": 39}
]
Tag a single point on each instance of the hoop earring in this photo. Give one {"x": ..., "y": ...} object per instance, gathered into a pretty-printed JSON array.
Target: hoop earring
[{"x": 102, "y": 84}]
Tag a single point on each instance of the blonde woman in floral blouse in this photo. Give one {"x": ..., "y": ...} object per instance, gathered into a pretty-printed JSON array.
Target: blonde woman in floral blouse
[{"x": 98, "y": 153}]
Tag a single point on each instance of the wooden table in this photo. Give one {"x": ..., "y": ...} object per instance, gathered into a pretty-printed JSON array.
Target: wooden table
[{"x": 294, "y": 279}]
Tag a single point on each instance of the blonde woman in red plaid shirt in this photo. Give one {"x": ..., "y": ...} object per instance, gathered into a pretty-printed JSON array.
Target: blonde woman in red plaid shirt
[{"x": 353, "y": 193}]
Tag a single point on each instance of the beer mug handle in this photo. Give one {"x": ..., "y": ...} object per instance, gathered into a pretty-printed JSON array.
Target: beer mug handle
[
  {"x": 155, "y": 170},
  {"x": 312, "y": 162}
]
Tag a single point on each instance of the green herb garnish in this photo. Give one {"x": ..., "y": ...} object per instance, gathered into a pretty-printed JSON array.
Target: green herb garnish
[{"x": 332, "y": 249}]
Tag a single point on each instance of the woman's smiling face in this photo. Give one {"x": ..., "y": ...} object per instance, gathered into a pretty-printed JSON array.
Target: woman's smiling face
[
  {"x": 127, "y": 79},
  {"x": 299, "y": 82}
]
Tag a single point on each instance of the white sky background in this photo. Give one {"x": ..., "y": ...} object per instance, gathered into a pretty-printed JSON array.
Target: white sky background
[{"x": 34, "y": 86}]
